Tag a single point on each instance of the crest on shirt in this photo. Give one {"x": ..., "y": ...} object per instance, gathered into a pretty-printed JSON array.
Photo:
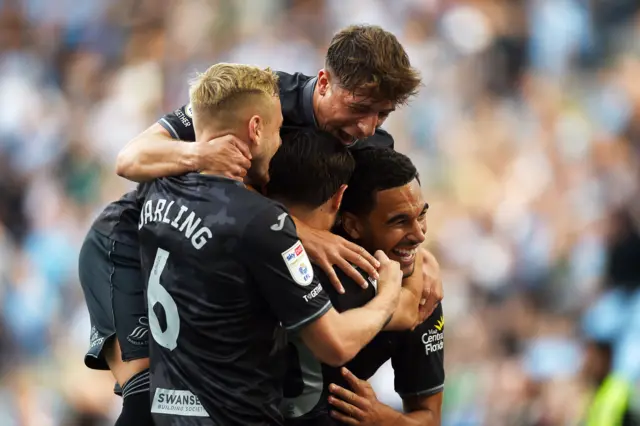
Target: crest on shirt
[{"x": 298, "y": 264}]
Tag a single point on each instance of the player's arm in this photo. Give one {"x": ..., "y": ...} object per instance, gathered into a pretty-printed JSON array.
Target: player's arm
[
  {"x": 422, "y": 410},
  {"x": 167, "y": 149},
  {"x": 359, "y": 405},
  {"x": 432, "y": 290},
  {"x": 336, "y": 338},
  {"x": 154, "y": 153},
  {"x": 418, "y": 364},
  {"x": 407, "y": 314},
  {"x": 280, "y": 265}
]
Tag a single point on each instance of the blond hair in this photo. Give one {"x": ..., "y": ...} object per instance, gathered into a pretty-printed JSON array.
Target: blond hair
[{"x": 223, "y": 88}]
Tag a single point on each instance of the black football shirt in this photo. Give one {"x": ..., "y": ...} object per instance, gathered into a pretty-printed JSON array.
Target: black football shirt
[
  {"x": 227, "y": 276},
  {"x": 417, "y": 357},
  {"x": 118, "y": 219}
]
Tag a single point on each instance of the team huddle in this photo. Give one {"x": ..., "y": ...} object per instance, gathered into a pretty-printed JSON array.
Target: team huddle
[{"x": 270, "y": 261}]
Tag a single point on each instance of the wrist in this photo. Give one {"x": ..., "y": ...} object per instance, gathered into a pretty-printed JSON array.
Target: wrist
[
  {"x": 189, "y": 156},
  {"x": 389, "y": 415},
  {"x": 389, "y": 300}
]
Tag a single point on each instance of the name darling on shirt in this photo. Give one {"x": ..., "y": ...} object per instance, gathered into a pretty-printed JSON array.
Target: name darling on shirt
[{"x": 166, "y": 213}]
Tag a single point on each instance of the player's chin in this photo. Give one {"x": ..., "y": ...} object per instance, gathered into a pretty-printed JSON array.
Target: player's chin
[
  {"x": 408, "y": 270},
  {"x": 407, "y": 266}
]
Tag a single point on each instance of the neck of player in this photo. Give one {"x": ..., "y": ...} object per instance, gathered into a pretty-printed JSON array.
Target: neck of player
[{"x": 319, "y": 218}]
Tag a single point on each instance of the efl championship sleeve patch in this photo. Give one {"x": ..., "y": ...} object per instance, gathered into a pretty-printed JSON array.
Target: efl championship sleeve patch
[
  {"x": 188, "y": 110},
  {"x": 298, "y": 264}
]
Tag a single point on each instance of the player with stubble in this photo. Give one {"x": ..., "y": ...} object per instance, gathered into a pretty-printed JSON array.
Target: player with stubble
[{"x": 227, "y": 274}]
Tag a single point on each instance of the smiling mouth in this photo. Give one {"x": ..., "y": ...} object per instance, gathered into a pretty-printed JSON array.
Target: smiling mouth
[
  {"x": 406, "y": 255},
  {"x": 346, "y": 138}
]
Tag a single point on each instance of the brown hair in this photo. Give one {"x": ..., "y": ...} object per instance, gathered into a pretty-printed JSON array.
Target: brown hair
[
  {"x": 224, "y": 87},
  {"x": 369, "y": 60}
]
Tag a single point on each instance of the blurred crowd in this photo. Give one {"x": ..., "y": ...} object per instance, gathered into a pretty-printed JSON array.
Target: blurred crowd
[{"x": 526, "y": 134}]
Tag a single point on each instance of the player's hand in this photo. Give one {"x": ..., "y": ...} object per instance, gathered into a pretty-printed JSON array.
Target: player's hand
[
  {"x": 326, "y": 250},
  {"x": 359, "y": 406},
  {"x": 390, "y": 273},
  {"x": 432, "y": 291},
  {"x": 224, "y": 156}
]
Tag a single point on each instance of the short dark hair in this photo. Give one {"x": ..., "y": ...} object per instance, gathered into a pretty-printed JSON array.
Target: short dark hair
[
  {"x": 369, "y": 60},
  {"x": 309, "y": 167},
  {"x": 376, "y": 170}
]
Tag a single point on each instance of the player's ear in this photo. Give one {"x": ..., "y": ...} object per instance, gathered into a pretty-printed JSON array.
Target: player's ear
[
  {"x": 336, "y": 200},
  {"x": 255, "y": 129},
  {"x": 351, "y": 225},
  {"x": 323, "y": 82}
]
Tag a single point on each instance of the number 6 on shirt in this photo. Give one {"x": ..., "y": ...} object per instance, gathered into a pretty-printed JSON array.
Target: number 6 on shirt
[{"x": 156, "y": 293}]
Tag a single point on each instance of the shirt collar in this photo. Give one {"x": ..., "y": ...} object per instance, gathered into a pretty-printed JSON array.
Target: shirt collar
[{"x": 307, "y": 101}]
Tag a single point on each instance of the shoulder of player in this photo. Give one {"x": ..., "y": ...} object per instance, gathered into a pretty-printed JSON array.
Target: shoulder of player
[
  {"x": 258, "y": 203},
  {"x": 179, "y": 123},
  {"x": 297, "y": 108},
  {"x": 291, "y": 82},
  {"x": 380, "y": 139},
  {"x": 196, "y": 187},
  {"x": 263, "y": 212}
]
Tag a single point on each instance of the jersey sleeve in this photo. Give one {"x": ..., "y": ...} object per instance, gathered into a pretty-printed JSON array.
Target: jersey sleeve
[
  {"x": 179, "y": 124},
  {"x": 418, "y": 358},
  {"x": 279, "y": 264}
]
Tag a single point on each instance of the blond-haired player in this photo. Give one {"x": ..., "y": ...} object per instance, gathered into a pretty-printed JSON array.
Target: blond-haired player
[
  {"x": 226, "y": 273},
  {"x": 226, "y": 98}
]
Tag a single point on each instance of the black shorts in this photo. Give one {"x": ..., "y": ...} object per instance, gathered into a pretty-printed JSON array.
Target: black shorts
[{"x": 114, "y": 290}]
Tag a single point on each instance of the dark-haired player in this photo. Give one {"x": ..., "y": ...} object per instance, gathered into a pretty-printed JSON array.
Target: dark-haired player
[
  {"x": 382, "y": 209},
  {"x": 227, "y": 273}
]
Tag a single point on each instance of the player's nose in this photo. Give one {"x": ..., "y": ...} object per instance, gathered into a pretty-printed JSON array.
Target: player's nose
[
  {"x": 367, "y": 126},
  {"x": 419, "y": 231}
]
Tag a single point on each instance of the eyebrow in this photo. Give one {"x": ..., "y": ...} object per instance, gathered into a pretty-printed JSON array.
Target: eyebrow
[{"x": 404, "y": 216}]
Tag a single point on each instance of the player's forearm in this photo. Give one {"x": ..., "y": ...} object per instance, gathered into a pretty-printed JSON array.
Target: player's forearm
[
  {"x": 416, "y": 418},
  {"x": 359, "y": 326},
  {"x": 407, "y": 315},
  {"x": 420, "y": 410},
  {"x": 422, "y": 417},
  {"x": 154, "y": 155}
]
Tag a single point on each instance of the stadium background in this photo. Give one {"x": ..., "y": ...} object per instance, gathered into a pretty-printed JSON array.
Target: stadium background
[{"x": 527, "y": 136}]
